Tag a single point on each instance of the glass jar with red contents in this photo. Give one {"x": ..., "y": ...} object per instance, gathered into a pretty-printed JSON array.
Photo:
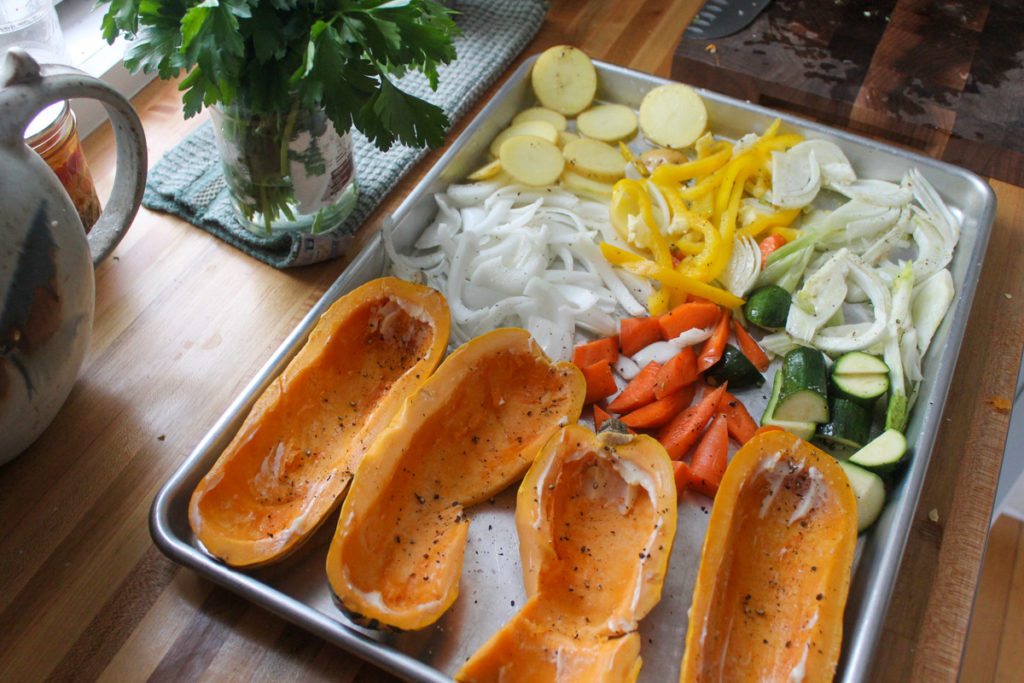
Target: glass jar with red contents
[{"x": 54, "y": 136}]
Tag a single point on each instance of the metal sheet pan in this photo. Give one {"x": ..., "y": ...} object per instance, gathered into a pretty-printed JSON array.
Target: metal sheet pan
[{"x": 491, "y": 584}]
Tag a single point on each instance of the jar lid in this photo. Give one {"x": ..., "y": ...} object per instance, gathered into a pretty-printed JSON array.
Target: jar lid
[{"x": 45, "y": 120}]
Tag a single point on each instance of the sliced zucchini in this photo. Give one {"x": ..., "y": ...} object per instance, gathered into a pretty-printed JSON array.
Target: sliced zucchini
[
  {"x": 768, "y": 307},
  {"x": 864, "y": 389},
  {"x": 883, "y": 453},
  {"x": 869, "y": 490},
  {"x": 848, "y": 427},
  {"x": 735, "y": 368},
  {"x": 804, "y": 430},
  {"x": 859, "y": 363},
  {"x": 803, "y": 396}
]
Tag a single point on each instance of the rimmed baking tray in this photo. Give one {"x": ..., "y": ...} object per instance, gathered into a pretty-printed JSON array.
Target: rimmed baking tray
[{"x": 491, "y": 582}]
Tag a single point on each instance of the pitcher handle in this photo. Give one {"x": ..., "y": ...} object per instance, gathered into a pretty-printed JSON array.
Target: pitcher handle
[{"x": 56, "y": 83}]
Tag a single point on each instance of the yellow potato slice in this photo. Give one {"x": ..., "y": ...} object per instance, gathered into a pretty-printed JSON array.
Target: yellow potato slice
[
  {"x": 531, "y": 160},
  {"x": 541, "y": 114},
  {"x": 565, "y": 137},
  {"x": 579, "y": 183},
  {"x": 540, "y": 129},
  {"x": 594, "y": 159},
  {"x": 673, "y": 115},
  {"x": 564, "y": 79},
  {"x": 485, "y": 172},
  {"x": 608, "y": 122}
]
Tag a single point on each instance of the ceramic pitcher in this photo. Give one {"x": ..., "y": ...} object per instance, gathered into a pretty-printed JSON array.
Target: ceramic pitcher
[{"x": 47, "y": 286}]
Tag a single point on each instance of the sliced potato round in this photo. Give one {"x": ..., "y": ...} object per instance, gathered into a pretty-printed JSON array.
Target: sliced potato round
[
  {"x": 579, "y": 183},
  {"x": 564, "y": 79},
  {"x": 594, "y": 159},
  {"x": 565, "y": 137},
  {"x": 531, "y": 160},
  {"x": 541, "y": 114},
  {"x": 673, "y": 115},
  {"x": 485, "y": 172},
  {"x": 540, "y": 129},
  {"x": 608, "y": 122}
]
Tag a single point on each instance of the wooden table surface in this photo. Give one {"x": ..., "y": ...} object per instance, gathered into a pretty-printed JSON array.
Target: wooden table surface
[{"x": 184, "y": 321}]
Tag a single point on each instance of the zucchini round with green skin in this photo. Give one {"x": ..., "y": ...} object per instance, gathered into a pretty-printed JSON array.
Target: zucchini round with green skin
[
  {"x": 735, "y": 368},
  {"x": 883, "y": 453},
  {"x": 859, "y": 363},
  {"x": 869, "y": 491},
  {"x": 768, "y": 307},
  {"x": 803, "y": 395},
  {"x": 804, "y": 430},
  {"x": 848, "y": 428},
  {"x": 860, "y": 377}
]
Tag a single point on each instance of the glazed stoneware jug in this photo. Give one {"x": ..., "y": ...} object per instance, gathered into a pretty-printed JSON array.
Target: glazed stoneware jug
[{"x": 47, "y": 285}]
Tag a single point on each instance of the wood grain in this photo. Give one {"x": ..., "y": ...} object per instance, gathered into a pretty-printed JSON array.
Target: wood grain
[{"x": 183, "y": 321}]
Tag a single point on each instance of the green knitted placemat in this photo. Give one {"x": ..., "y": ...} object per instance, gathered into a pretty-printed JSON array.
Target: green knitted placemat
[{"x": 188, "y": 181}]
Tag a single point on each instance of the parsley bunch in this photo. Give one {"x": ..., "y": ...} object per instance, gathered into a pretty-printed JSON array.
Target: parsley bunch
[{"x": 266, "y": 55}]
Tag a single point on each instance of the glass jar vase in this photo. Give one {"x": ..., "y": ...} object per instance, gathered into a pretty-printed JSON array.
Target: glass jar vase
[{"x": 286, "y": 171}]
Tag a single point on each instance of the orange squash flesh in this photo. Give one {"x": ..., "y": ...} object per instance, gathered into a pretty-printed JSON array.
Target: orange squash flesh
[
  {"x": 596, "y": 515},
  {"x": 472, "y": 429},
  {"x": 775, "y": 569},
  {"x": 292, "y": 459}
]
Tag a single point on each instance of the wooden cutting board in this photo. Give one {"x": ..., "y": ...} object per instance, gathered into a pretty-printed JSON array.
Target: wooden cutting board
[{"x": 944, "y": 77}]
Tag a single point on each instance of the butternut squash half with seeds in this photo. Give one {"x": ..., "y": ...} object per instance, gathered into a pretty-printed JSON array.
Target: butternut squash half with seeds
[
  {"x": 775, "y": 568},
  {"x": 596, "y": 516},
  {"x": 293, "y": 457},
  {"x": 469, "y": 432}
]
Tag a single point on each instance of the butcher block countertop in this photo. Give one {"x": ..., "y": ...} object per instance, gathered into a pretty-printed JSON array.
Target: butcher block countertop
[{"x": 184, "y": 321}]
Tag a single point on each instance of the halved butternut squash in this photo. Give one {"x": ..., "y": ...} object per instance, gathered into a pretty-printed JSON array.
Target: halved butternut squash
[
  {"x": 468, "y": 433},
  {"x": 775, "y": 568},
  {"x": 596, "y": 516},
  {"x": 293, "y": 457}
]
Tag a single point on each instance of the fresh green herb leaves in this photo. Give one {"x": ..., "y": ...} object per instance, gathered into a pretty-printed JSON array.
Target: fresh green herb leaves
[{"x": 268, "y": 54}]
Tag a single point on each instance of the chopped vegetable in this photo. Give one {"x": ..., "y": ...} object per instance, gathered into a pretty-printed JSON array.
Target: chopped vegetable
[
  {"x": 676, "y": 373},
  {"x": 532, "y": 160},
  {"x": 600, "y": 381},
  {"x": 637, "y": 332},
  {"x": 673, "y": 115},
  {"x": 607, "y": 122},
  {"x": 564, "y": 79},
  {"x": 661, "y": 411},
  {"x": 735, "y": 368},
  {"x": 639, "y": 392},
  {"x": 688, "y": 316},
  {"x": 606, "y": 348},
  {"x": 742, "y": 426},
  {"x": 713, "y": 348},
  {"x": 685, "y": 428},
  {"x": 711, "y": 457},
  {"x": 750, "y": 348}
]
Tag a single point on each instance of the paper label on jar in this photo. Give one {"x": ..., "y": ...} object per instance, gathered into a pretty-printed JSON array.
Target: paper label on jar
[{"x": 314, "y": 191}]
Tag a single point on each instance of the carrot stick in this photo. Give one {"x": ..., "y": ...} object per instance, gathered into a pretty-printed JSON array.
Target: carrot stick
[
  {"x": 685, "y": 428},
  {"x": 770, "y": 244},
  {"x": 683, "y": 476},
  {"x": 711, "y": 457},
  {"x": 639, "y": 391},
  {"x": 636, "y": 333},
  {"x": 661, "y": 411},
  {"x": 600, "y": 381},
  {"x": 606, "y": 348},
  {"x": 676, "y": 373},
  {"x": 741, "y": 425},
  {"x": 600, "y": 415},
  {"x": 712, "y": 350},
  {"x": 750, "y": 348},
  {"x": 687, "y": 316}
]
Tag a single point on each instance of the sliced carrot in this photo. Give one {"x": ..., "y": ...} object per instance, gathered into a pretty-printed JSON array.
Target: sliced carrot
[
  {"x": 600, "y": 381},
  {"x": 659, "y": 412},
  {"x": 770, "y": 244},
  {"x": 676, "y": 373},
  {"x": 750, "y": 348},
  {"x": 687, "y": 316},
  {"x": 711, "y": 457},
  {"x": 639, "y": 391},
  {"x": 606, "y": 348},
  {"x": 683, "y": 476},
  {"x": 600, "y": 415},
  {"x": 636, "y": 333},
  {"x": 742, "y": 426},
  {"x": 685, "y": 428},
  {"x": 712, "y": 350}
]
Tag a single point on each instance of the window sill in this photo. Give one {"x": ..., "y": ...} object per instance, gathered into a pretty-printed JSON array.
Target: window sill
[{"x": 80, "y": 22}]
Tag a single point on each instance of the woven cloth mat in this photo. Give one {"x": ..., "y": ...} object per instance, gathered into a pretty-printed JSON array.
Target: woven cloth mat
[{"x": 188, "y": 180}]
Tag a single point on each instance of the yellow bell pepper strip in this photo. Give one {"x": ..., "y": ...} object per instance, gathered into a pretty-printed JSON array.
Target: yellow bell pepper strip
[
  {"x": 668, "y": 277},
  {"x": 764, "y": 222},
  {"x": 696, "y": 266},
  {"x": 633, "y": 160},
  {"x": 667, "y": 174},
  {"x": 789, "y": 233},
  {"x": 631, "y": 200}
]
